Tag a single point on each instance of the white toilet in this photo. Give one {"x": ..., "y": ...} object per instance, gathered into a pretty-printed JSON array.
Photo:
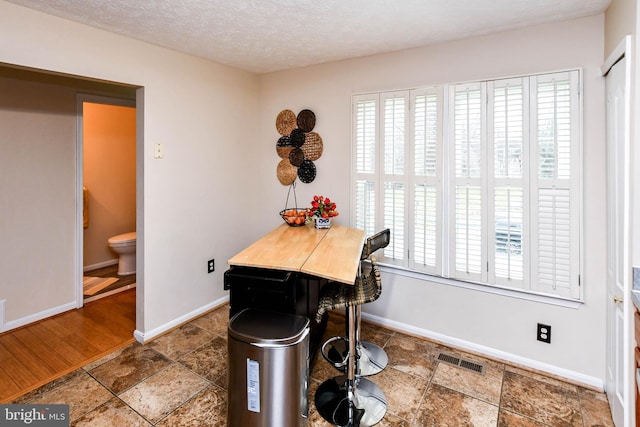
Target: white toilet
[{"x": 125, "y": 246}]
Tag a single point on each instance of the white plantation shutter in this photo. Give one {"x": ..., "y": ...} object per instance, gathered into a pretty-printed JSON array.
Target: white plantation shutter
[
  {"x": 366, "y": 138},
  {"x": 554, "y": 240},
  {"x": 508, "y": 243},
  {"x": 365, "y": 154},
  {"x": 395, "y": 131},
  {"x": 394, "y": 207},
  {"x": 555, "y": 184},
  {"x": 426, "y": 229},
  {"x": 508, "y": 147},
  {"x": 468, "y": 244},
  {"x": 468, "y": 254},
  {"x": 426, "y": 237},
  {"x": 365, "y": 199},
  {"x": 495, "y": 199},
  {"x": 394, "y": 125}
]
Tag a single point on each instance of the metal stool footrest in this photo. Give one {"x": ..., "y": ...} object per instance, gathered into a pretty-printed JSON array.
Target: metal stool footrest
[
  {"x": 371, "y": 359},
  {"x": 335, "y": 350}
]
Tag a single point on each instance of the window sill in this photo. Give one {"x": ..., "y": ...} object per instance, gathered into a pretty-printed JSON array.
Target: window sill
[{"x": 510, "y": 293}]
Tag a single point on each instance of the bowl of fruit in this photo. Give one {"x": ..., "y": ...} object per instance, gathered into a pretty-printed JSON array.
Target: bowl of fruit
[{"x": 294, "y": 217}]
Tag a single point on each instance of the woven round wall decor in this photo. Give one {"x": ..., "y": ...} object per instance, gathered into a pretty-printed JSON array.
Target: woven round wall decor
[
  {"x": 307, "y": 171},
  {"x": 286, "y": 172},
  {"x": 286, "y": 122},
  {"x": 296, "y": 157},
  {"x": 284, "y": 141},
  {"x": 297, "y": 137},
  {"x": 312, "y": 146},
  {"x": 284, "y": 152},
  {"x": 284, "y": 147},
  {"x": 306, "y": 120},
  {"x": 298, "y": 147}
]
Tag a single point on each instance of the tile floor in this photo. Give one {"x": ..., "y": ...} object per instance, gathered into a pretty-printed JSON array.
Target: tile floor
[{"x": 179, "y": 379}]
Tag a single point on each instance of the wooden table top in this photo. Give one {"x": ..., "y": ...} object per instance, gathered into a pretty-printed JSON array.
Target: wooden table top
[
  {"x": 337, "y": 256},
  {"x": 332, "y": 253}
]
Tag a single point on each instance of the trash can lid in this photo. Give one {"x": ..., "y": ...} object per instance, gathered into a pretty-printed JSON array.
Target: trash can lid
[{"x": 262, "y": 327}]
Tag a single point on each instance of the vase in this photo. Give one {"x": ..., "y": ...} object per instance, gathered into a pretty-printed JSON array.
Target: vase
[{"x": 323, "y": 222}]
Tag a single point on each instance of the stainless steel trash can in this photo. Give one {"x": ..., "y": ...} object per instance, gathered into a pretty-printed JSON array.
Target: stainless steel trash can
[{"x": 268, "y": 362}]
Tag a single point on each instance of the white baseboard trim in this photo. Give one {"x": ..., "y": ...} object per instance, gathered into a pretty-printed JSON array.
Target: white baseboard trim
[
  {"x": 576, "y": 377},
  {"x": 99, "y": 265},
  {"x": 13, "y": 324},
  {"x": 143, "y": 337}
]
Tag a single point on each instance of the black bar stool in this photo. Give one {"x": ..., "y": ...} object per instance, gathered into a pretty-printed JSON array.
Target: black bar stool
[
  {"x": 370, "y": 358},
  {"x": 351, "y": 400}
]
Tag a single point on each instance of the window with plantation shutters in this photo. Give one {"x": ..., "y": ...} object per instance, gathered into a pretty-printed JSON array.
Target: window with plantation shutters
[{"x": 478, "y": 182}]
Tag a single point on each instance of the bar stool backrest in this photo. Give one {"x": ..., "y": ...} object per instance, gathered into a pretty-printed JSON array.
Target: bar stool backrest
[
  {"x": 368, "y": 287},
  {"x": 378, "y": 241}
]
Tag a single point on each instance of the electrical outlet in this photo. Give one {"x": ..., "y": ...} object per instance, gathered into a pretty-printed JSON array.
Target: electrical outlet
[
  {"x": 544, "y": 333},
  {"x": 211, "y": 266},
  {"x": 158, "y": 152}
]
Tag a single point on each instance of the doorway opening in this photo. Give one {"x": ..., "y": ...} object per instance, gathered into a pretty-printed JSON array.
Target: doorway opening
[{"x": 108, "y": 169}]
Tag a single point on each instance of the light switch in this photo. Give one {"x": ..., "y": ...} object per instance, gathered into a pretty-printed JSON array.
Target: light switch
[{"x": 158, "y": 152}]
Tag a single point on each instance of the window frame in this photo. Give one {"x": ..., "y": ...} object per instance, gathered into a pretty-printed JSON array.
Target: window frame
[{"x": 444, "y": 267}]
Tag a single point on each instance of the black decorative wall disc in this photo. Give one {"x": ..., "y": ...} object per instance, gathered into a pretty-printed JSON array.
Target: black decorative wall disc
[
  {"x": 307, "y": 171},
  {"x": 284, "y": 141},
  {"x": 306, "y": 120},
  {"x": 297, "y": 137},
  {"x": 296, "y": 157}
]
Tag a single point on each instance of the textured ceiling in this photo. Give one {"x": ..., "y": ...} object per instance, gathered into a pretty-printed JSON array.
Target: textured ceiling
[{"x": 270, "y": 35}]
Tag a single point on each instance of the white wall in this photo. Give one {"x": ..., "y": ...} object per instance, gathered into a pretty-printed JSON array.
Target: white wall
[
  {"x": 505, "y": 326},
  {"x": 191, "y": 204},
  {"x": 37, "y": 197}
]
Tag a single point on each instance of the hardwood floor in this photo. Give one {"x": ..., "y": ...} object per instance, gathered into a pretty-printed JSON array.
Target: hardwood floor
[
  {"x": 124, "y": 282},
  {"x": 35, "y": 354}
]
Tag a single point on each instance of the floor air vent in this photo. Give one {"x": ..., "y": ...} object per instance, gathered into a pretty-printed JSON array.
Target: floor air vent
[{"x": 465, "y": 364}]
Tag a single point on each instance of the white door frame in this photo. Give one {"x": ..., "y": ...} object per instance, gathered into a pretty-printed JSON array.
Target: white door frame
[{"x": 623, "y": 50}]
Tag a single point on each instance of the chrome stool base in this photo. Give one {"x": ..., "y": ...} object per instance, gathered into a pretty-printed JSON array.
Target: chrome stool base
[
  {"x": 332, "y": 403},
  {"x": 372, "y": 359}
]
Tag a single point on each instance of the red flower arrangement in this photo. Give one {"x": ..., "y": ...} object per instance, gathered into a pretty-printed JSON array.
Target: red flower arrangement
[{"x": 322, "y": 207}]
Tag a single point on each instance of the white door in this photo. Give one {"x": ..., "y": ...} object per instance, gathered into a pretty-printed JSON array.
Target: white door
[{"x": 617, "y": 375}]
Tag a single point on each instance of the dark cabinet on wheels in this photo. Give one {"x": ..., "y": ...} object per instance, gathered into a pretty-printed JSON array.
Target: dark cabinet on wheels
[{"x": 276, "y": 290}]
